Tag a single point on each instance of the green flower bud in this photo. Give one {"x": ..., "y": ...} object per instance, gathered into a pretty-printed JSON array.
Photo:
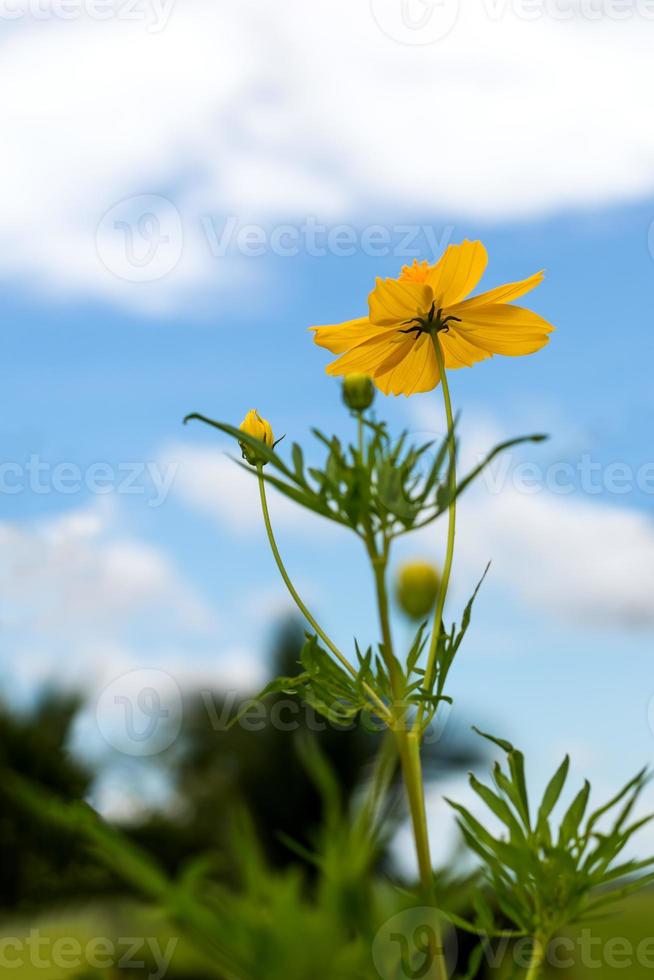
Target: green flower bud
[
  {"x": 358, "y": 391},
  {"x": 254, "y": 425},
  {"x": 416, "y": 588}
]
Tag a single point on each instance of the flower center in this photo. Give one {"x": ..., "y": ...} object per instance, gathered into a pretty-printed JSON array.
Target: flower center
[
  {"x": 417, "y": 272},
  {"x": 431, "y": 323}
]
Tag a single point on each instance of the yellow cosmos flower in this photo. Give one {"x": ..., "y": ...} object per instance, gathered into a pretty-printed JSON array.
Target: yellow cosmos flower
[
  {"x": 259, "y": 428},
  {"x": 394, "y": 344}
]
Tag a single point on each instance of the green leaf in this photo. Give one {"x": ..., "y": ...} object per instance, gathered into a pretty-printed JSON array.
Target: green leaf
[
  {"x": 637, "y": 781},
  {"x": 509, "y": 444},
  {"x": 416, "y": 649},
  {"x": 517, "y": 767},
  {"x": 506, "y": 786},
  {"x": 500, "y": 742},
  {"x": 574, "y": 815},
  {"x": 298, "y": 462},
  {"x": 553, "y": 791},
  {"x": 497, "y": 805}
]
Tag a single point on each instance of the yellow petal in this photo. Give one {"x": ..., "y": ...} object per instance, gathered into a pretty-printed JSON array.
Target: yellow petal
[
  {"x": 339, "y": 337},
  {"x": 503, "y": 329},
  {"x": 259, "y": 428},
  {"x": 392, "y": 302},
  {"x": 459, "y": 352},
  {"x": 457, "y": 272},
  {"x": 416, "y": 370},
  {"x": 501, "y": 294},
  {"x": 366, "y": 357}
]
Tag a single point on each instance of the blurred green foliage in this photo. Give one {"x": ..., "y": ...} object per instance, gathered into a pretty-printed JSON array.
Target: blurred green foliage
[
  {"x": 274, "y": 865},
  {"x": 42, "y": 864}
]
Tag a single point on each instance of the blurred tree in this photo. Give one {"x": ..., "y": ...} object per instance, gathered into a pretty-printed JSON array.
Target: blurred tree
[
  {"x": 41, "y": 862},
  {"x": 215, "y": 773}
]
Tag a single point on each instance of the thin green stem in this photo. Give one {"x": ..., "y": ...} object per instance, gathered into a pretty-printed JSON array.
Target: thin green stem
[
  {"x": 374, "y": 697},
  {"x": 415, "y": 790},
  {"x": 451, "y": 527},
  {"x": 537, "y": 959},
  {"x": 408, "y": 747},
  {"x": 382, "y": 777},
  {"x": 360, "y": 431},
  {"x": 394, "y": 670}
]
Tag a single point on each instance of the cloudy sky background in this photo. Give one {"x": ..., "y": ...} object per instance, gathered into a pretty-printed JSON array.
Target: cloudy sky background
[{"x": 184, "y": 188}]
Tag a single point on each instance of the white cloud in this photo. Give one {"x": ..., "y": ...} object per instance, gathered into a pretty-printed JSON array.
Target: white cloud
[
  {"x": 76, "y": 571},
  {"x": 569, "y": 555},
  {"x": 586, "y": 561},
  {"x": 212, "y": 483},
  {"x": 75, "y": 591},
  {"x": 276, "y": 112}
]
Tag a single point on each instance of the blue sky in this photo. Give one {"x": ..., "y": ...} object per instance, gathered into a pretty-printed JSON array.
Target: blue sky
[
  {"x": 101, "y": 369},
  {"x": 88, "y": 383}
]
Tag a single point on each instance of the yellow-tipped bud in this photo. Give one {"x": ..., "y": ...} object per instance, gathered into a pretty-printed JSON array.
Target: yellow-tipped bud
[
  {"x": 358, "y": 391},
  {"x": 416, "y": 588},
  {"x": 259, "y": 428}
]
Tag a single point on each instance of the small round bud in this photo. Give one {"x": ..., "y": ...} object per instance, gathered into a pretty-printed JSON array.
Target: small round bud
[
  {"x": 358, "y": 391},
  {"x": 259, "y": 428},
  {"x": 416, "y": 588}
]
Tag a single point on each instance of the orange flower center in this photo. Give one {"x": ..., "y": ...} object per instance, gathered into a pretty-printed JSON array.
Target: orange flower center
[{"x": 416, "y": 272}]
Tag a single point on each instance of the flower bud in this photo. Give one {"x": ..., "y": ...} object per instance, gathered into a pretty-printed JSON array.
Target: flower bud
[
  {"x": 259, "y": 428},
  {"x": 358, "y": 391},
  {"x": 416, "y": 588}
]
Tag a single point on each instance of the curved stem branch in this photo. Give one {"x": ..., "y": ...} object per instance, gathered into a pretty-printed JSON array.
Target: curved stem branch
[
  {"x": 375, "y": 699},
  {"x": 451, "y": 526}
]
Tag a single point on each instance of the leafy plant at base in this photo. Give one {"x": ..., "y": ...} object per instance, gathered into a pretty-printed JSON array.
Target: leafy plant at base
[{"x": 543, "y": 879}]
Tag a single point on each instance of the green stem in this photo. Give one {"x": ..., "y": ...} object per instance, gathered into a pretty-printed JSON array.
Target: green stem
[
  {"x": 394, "y": 671},
  {"x": 537, "y": 959},
  {"x": 374, "y": 697},
  {"x": 382, "y": 778},
  {"x": 451, "y": 527},
  {"x": 408, "y": 746},
  {"x": 415, "y": 790},
  {"x": 361, "y": 435}
]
